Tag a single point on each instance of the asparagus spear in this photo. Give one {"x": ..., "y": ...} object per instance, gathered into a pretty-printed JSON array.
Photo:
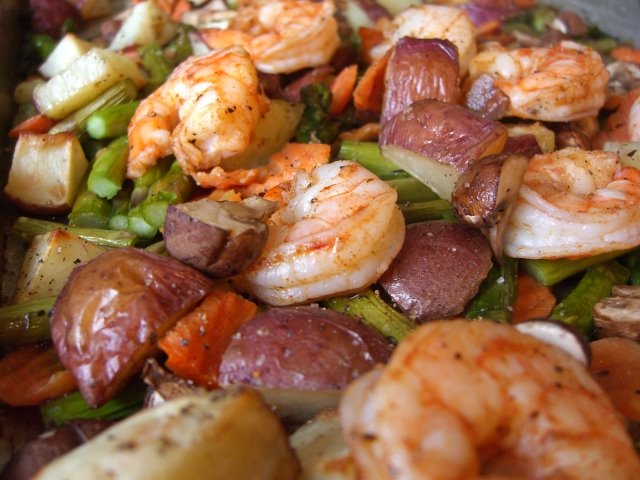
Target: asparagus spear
[
  {"x": 89, "y": 210},
  {"x": 109, "y": 168},
  {"x": 368, "y": 307},
  {"x": 411, "y": 189},
  {"x": 137, "y": 225},
  {"x": 121, "y": 92},
  {"x": 25, "y": 323},
  {"x": 74, "y": 407},
  {"x": 577, "y": 308},
  {"x": 315, "y": 125},
  {"x": 142, "y": 184},
  {"x": 120, "y": 210},
  {"x": 368, "y": 155},
  {"x": 174, "y": 187},
  {"x": 497, "y": 293},
  {"x": 154, "y": 62},
  {"x": 111, "y": 122},
  {"x": 27, "y": 228},
  {"x": 431, "y": 210}
]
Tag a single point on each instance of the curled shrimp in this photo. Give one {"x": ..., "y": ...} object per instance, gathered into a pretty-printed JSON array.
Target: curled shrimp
[
  {"x": 336, "y": 234},
  {"x": 634, "y": 121},
  {"x": 575, "y": 203},
  {"x": 206, "y": 111},
  {"x": 560, "y": 83},
  {"x": 283, "y": 36},
  {"x": 471, "y": 400},
  {"x": 432, "y": 21}
]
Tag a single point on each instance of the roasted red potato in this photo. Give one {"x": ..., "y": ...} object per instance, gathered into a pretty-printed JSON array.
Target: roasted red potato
[
  {"x": 418, "y": 69},
  {"x": 436, "y": 141},
  {"x": 301, "y": 348},
  {"x": 439, "y": 269},
  {"x": 111, "y": 312}
]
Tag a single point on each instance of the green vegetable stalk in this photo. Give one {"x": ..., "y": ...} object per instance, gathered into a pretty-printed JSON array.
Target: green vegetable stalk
[
  {"x": 109, "y": 169},
  {"x": 174, "y": 187},
  {"x": 142, "y": 184},
  {"x": 369, "y": 308},
  {"x": 112, "y": 121},
  {"x": 368, "y": 155},
  {"x": 89, "y": 210},
  {"x": 156, "y": 64},
  {"x": 577, "y": 308},
  {"x": 497, "y": 293},
  {"x": 25, "y": 323},
  {"x": 423, "y": 211},
  {"x": 315, "y": 125},
  {"x": 120, "y": 210}
]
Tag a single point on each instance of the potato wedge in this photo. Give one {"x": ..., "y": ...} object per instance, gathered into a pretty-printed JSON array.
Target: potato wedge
[
  {"x": 49, "y": 261},
  {"x": 46, "y": 172},
  {"x": 85, "y": 79},
  {"x": 111, "y": 312},
  {"x": 222, "y": 436},
  {"x": 67, "y": 51},
  {"x": 436, "y": 141},
  {"x": 147, "y": 23}
]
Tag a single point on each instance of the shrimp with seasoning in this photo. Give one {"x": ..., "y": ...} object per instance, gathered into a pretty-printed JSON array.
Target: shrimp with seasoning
[
  {"x": 480, "y": 400},
  {"x": 337, "y": 232},
  {"x": 432, "y": 21},
  {"x": 283, "y": 36},
  {"x": 575, "y": 203},
  {"x": 560, "y": 83},
  {"x": 206, "y": 111}
]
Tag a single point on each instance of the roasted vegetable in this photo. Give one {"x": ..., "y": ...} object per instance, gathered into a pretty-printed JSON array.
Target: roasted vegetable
[
  {"x": 221, "y": 238},
  {"x": 113, "y": 310}
]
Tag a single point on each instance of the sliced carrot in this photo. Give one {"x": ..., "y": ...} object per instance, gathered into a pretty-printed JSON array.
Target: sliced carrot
[
  {"x": 369, "y": 38},
  {"x": 180, "y": 7},
  {"x": 626, "y": 54},
  {"x": 488, "y": 27},
  {"x": 36, "y": 124},
  {"x": 33, "y": 374},
  {"x": 533, "y": 300},
  {"x": 342, "y": 89},
  {"x": 614, "y": 365},
  {"x": 370, "y": 89},
  {"x": 196, "y": 344}
]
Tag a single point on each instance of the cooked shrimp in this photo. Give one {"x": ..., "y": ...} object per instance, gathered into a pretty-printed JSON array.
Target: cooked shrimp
[
  {"x": 206, "y": 111},
  {"x": 283, "y": 36},
  {"x": 634, "y": 121},
  {"x": 575, "y": 203},
  {"x": 433, "y": 21},
  {"x": 471, "y": 400},
  {"x": 563, "y": 82},
  {"x": 337, "y": 234}
]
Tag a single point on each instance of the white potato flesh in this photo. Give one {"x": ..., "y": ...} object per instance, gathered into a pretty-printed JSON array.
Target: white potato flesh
[
  {"x": 46, "y": 172},
  {"x": 67, "y": 51},
  {"x": 82, "y": 81},
  {"x": 321, "y": 449},
  {"x": 48, "y": 262},
  {"x": 545, "y": 137},
  {"x": 23, "y": 92},
  {"x": 146, "y": 24},
  {"x": 396, "y": 6},
  {"x": 209, "y": 437},
  {"x": 628, "y": 152},
  {"x": 90, "y": 9}
]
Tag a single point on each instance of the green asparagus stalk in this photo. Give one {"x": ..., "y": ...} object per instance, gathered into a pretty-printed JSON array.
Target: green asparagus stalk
[
  {"x": 109, "y": 169},
  {"x": 423, "y": 211},
  {"x": 137, "y": 224},
  {"x": 497, "y": 293},
  {"x": 121, "y": 92},
  {"x": 369, "y": 308},
  {"x": 25, "y": 323},
  {"x": 180, "y": 48},
  {"x": 550, "y": 272},
  {"x": 74, "y": 407},
  {"x": 89, "y": 210},
  {"x": 112, "y": 121},
  {"x": 27, "y": 228},
  {"x": 142, "y": 184},
  {"x": 411, "y": 190},
  {"x": 120, "y": 210},
  {"x": 174, "y": 187},
  {"x": 577, "y": 308},
  {"x": 368, "y": 155},
  {"x": 315, "y": 124},
  {"x": 156, "y": 64}
]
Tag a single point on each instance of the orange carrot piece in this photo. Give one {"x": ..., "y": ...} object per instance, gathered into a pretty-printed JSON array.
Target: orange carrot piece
[
  {"x": 342, "y": 89},
  {"x": 614, "y": 365},
  {"x": 36, "y": 124},
  {"x": 196, "y": 344},
  {"x": 626, "y": 54},
  {"x": 180, "y": 7},
  {"x": 33, "y": 374},
  {"x": 369, "y": 38},
  {"x": 533, "y": 300},
  {"x": 370, "y": 89},
  {"x": 488, "y": 27}
]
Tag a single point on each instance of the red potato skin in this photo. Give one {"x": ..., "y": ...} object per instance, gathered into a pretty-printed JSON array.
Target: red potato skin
[
  {"x": 439, "y": 269},
  {"x": 48, "y": 16},
  {"x": 111, "y": 312},
  {"x": 485, "y": 99},
  {"x": 305, "y": 348},
  {"x": 418, "y": 69}
]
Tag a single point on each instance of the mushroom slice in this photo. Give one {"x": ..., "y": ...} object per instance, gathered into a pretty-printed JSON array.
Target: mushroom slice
[
  {"x": 219, "y": 237},
  {"x": 560, "y": 335},
  {"x": 619, "y": 315},
  {"x": 485, "y": 193}
]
